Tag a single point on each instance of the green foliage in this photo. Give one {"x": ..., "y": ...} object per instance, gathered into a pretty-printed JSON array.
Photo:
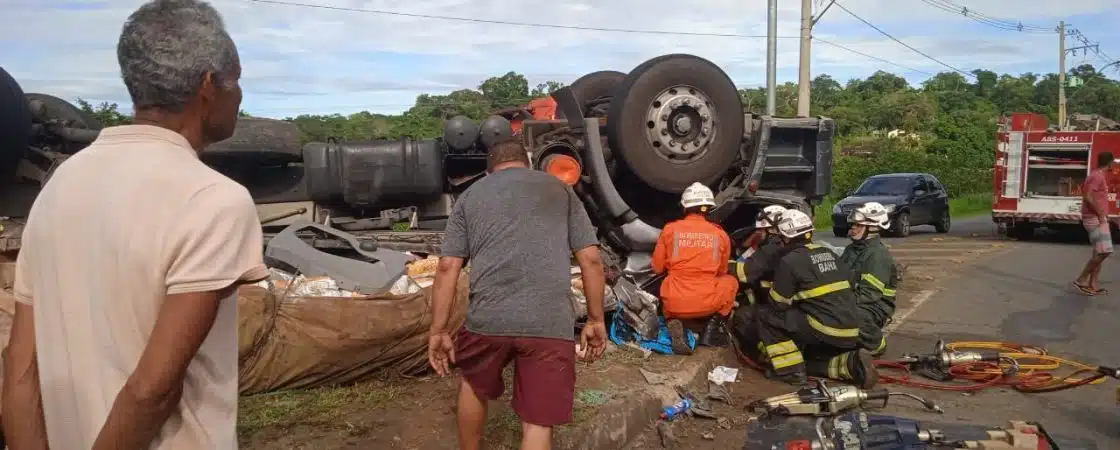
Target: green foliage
[{"x": 105, "y": 112}]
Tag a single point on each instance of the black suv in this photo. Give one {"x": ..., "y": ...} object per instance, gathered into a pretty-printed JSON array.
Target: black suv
[{"x": 910, "y": 198}]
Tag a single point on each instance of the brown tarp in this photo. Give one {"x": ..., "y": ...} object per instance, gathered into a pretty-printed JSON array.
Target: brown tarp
[{"x": 307, "y": 342}]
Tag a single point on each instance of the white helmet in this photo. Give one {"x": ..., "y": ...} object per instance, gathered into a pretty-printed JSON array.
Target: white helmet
[
  {"x": 697, "y": 195},
  {"x": 794, "y": 223},
  {"x": 769, "y": 216},
  {"x": 871, "y": 214}
]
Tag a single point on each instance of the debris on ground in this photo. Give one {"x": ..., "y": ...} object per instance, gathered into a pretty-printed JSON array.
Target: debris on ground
[
  {"x": 653, "y": 378},
  {"x": 665, "y": 431},
  {"x": 723, "y": 374}
]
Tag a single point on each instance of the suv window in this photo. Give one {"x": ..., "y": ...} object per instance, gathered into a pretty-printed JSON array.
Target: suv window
[{"x": 935, "y": 184}]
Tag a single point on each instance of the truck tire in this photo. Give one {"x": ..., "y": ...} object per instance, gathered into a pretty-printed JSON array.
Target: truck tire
[
  {"x": 592, "y": 86},
  {"x": 15, "y": 124},
  {"x": 60, "y": 109},
  {"x": 268, "y": 141},
  {"x": 675, "y": 120}
]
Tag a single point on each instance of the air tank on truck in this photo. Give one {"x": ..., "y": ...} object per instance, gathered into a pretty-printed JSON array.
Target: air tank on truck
[{"x": 627, "y": 143}]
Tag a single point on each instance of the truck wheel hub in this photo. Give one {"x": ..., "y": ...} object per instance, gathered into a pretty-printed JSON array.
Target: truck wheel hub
[{"x": 680, "y": 123}]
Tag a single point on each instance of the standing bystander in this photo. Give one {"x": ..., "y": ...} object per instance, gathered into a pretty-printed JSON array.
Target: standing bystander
[
  {"x": 125, "y": 330},
  {"x": 518, "y": 229},
  {"x": 1095, "y": 209}
]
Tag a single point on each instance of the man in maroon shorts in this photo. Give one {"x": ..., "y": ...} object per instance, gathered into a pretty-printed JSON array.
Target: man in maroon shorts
[
  {"x": 1095, "y": 208},
  {"x": 518, "y": 228}
]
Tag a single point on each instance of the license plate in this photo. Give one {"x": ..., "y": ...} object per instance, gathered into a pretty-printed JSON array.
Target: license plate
[{"x": 1076, "y": 207}]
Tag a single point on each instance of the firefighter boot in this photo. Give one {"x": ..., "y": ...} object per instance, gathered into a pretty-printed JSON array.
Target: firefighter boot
[
  {"x": 882, "y": 348},
  {"x": 856, "y": 367},
  {"x": 796, "y": 379},
  {"x": 678, "y": 338},
  {"x": 715, "y": 333}
]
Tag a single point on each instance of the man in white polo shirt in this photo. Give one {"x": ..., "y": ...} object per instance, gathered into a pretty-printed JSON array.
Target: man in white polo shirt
[{"x": 125, "y": 331}]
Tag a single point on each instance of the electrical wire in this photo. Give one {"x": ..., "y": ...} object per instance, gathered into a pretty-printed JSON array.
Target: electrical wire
[
  {"x": 515, "y": 23},
  {"x": 985, "y": 19},
  {"x": 851, "y": 50},
  {"x": 612, "y": 30},
  {"x": 891, "y": 37}
]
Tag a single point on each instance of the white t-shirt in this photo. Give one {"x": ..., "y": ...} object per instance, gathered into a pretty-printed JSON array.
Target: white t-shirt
[{"x": 126, "y": 221}]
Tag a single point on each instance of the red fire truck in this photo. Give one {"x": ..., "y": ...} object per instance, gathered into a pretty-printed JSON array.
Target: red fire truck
[{"x": 1039, "y": 172}]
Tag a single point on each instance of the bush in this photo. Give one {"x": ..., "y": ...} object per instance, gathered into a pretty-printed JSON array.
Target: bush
[{"x": 961, "y": 176}]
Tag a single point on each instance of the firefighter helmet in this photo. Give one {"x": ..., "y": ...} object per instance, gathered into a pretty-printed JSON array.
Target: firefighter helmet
[
  {"x": 794, "y": 223},
  {"x": 697, "y": 195},
  {"x": 871, "y": 214},
  {"x": 769, "y": 216}
]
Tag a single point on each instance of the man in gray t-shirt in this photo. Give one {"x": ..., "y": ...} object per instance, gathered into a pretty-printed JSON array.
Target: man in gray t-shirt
[{"x": 518, "y": 229}]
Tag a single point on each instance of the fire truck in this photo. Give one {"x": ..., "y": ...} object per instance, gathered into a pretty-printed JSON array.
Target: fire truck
[{"x": 1039, "y": 172}]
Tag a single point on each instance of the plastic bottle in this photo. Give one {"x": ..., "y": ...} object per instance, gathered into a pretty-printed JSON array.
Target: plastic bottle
[{"x": 673, "y": 411}]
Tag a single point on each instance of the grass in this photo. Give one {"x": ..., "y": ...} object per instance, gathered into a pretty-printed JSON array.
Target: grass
[
  {"x": 967, "y": 205},
  {"x": 323, "y": 406}
]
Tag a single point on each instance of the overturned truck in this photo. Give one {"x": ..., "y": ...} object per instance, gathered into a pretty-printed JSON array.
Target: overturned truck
[{"x": 628, "y": 144}]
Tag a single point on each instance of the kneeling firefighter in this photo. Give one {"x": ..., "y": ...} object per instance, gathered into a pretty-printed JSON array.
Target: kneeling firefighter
[
  {"x": 755, "y": 272},
  {"x": 874, "y": 274},
  {"x": 812, "y": 315},
  {"x": 693, "y": 252}
]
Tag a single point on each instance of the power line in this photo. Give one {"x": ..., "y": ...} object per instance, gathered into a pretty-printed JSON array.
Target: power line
[
  {"x": 514, "y": 23},
  {"x": 977, "y": 16},
  {"x": 621, "y": 30},
  {"x": 911, "y": 69},
  {"x": 889, "y": 36}
]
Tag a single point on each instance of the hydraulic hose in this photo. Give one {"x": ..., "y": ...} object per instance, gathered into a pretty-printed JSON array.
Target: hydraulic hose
[{"x": 1024, "y": 368}]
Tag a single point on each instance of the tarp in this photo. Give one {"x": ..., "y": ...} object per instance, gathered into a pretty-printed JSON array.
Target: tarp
[{"x": 307, "y": 342}]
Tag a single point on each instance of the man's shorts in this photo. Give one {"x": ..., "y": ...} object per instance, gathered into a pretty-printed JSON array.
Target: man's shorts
[
  {"x": 544, "y": 377},
  {"x": 1100, "y": 235}
]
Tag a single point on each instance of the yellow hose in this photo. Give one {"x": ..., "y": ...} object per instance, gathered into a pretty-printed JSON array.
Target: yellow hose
[{"x": 1028, "y": 358}]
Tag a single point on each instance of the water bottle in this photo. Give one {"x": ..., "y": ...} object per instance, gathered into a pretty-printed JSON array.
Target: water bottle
[{"x": 675, "y": 410}]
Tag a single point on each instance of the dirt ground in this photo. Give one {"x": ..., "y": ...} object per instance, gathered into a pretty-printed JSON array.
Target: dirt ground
[{"x": 420, "y": 413}]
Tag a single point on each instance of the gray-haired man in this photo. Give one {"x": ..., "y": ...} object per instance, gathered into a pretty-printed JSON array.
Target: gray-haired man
[{"x": 125, "y": 334}]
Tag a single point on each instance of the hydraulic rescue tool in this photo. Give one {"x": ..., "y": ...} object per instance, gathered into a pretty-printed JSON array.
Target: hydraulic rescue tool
[
  {"x": 822, "y": 400},
  {"x": 862, "y": 431},
  {"x": 935, "y": 366}
]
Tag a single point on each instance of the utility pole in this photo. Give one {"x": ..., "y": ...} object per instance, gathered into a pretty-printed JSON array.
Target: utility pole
[
  {"x": 1061, "y": 75},
  {"x": 772, "y": 58},
  {"x": 803, "y": 82}
]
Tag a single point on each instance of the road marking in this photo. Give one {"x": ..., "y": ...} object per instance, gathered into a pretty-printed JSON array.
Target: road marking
[{"x": 901, "y": 316}]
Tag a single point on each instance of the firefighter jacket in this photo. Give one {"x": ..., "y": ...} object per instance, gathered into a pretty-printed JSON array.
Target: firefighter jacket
[
  {"x": 695, "y": 253},
  {"x": 757, "y": 272},
  {"x": 811, "y": 278},
  {"x": 874, "y": 278}
]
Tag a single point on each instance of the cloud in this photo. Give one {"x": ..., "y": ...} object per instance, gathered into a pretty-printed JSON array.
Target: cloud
[{"x": 300, "y": 59}]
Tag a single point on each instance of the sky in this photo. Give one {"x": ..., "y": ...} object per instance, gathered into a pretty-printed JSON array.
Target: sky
[{"x": 300, "y": 59}]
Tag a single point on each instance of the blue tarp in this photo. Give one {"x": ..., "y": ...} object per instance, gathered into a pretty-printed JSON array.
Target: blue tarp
[{"x": 621, "y": 333}]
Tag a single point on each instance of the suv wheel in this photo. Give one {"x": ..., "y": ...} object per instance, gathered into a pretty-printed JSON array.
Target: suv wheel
[
  {"x": 901, "y": 226},
  {"x": 944, "y": 223}
]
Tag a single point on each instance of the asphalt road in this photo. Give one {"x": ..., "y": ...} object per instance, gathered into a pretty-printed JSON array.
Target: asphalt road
[
  {"x": 1020, "y": 294},
  {"x": 963, "y": 227}
]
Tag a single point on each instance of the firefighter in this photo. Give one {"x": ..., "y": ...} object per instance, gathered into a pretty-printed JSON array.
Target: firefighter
[
  {"x": 812, "y": 310},
  {"x": 693, "y": 252},
  {"x": 874, "y": 277},
  {"x": 756, "y": 270}
]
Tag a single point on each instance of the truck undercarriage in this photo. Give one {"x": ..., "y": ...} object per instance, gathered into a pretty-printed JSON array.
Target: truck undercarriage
[{"x": 628, "y": 144}]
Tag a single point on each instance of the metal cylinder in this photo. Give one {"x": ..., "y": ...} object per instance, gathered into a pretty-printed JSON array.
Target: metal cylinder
[{"x": 771, "y": 57}]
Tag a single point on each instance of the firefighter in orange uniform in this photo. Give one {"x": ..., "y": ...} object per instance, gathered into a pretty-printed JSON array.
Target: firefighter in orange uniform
[{"x": 693, "y": 253}]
